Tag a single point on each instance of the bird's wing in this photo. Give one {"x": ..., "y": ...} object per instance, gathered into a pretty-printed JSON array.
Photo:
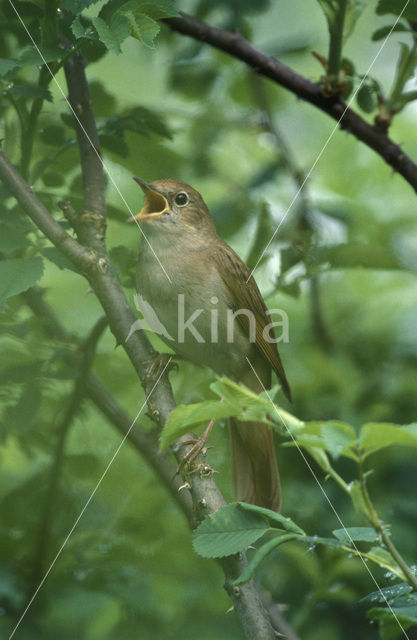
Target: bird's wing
[{"x": 243, "y": 293}]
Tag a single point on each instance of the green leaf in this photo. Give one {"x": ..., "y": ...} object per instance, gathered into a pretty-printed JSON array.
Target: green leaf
[
  {"x": 33, "y": 91},
  {"x": 228, "y": 531},
  {"x": 187, "y": 415},
  {"x": 261, "y": 554},
  {"x": 273, "y": 517},
  {"x": 30, "y": 57},
  {"x": 388, "y": 625},
  {"x": 8, "y": 64},
  {"x": 142, "y": 27},
  {"x": 255, "y": 407},
  {"x": 381, "y": 33},
  {"x": 388, "y": 593},
  {"x": 77, "y": 6},
  {"x": 378, "y": 435},
  {"x": 157, "y": 9},
  {"x": 139, "y": 120},
  {"x": 384, "y": 560},
  {"x": 396, "y": 7},
  {"x": 81, "y": 31},
  {"x": 113, "y": 36},
  {"x": 11, "y": 239},
  {"x": 17, "y": 275},
  {"x": 357, "y": 534},
  {"x": 366, "y": 98}
]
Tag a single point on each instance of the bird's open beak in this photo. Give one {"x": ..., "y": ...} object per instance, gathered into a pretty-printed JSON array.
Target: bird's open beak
[{"x": 155, "y": 203}]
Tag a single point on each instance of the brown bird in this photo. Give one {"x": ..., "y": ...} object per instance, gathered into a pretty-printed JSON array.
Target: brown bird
[{"x": 213, "y": 314}]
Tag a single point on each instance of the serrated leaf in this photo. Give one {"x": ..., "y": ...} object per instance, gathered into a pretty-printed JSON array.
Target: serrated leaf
[
  {"x": 80, "y": 31},
  {"x": 31, "y": 91},
  {"x": 261, "y": 554},
  {"x": 378, "y": 435},
  {"x": 142, "y": 27},
  {"x": 17, "y": 275},
  {"x": 113, "y": 36},
  {"x": 188, "y": 415},
  {"x": 8, "y": 64},
  {"x": 357, "y": 534},
  {"x": 228, "y": 531},
  {"x": 157, "y": 9}
]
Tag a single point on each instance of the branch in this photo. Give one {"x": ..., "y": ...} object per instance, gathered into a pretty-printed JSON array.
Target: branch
[
  {"x": 206, "y": 496},
  {"x": 96, "y": 267},
  {"x": 73, "y": 406},
  {"x": 87, "y": 136},
  {"x": 235, "y": 45},
  {"x": 144, "y": 442}
]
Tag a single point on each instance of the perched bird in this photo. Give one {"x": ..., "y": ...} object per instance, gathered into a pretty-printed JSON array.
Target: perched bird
[{"x": 213, "y": 314}]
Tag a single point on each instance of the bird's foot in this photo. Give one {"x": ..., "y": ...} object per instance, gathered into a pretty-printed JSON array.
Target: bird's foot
[{"x": 199, "y": 446}]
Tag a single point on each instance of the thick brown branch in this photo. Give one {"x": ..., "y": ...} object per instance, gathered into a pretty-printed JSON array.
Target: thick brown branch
[{"x": 235, "y": 45}]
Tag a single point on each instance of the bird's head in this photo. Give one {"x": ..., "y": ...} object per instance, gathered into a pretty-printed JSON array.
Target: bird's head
[{"x": 173, "y": 206}]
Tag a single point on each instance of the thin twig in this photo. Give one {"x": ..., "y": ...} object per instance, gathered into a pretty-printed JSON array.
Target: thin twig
[{"x": 235, "y": 45}]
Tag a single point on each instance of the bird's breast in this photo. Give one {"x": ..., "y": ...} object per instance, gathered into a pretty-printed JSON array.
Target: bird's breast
[{"x": 188, "y": 308}]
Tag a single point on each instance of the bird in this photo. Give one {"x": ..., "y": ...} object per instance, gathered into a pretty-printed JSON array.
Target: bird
[{"x": 214, "y": 315}]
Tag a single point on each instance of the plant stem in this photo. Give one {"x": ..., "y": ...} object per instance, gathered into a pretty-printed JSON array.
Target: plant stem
[
  {"x": 336, "y": 39},
  {"x": 381, "y": 530}
]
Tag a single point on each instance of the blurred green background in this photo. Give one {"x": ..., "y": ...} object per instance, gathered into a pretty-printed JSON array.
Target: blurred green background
[{"x": 342, "y": 267}]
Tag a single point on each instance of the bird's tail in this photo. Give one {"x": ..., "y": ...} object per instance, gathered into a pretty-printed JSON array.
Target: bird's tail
[{"x": 254, "y": 464}]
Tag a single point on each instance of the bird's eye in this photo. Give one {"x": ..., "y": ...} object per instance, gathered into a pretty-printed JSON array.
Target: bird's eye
[{"x": 181, "y": 199}]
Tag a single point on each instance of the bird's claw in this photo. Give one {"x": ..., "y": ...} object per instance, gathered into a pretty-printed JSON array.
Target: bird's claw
[{"x": 199, "y": 446}]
